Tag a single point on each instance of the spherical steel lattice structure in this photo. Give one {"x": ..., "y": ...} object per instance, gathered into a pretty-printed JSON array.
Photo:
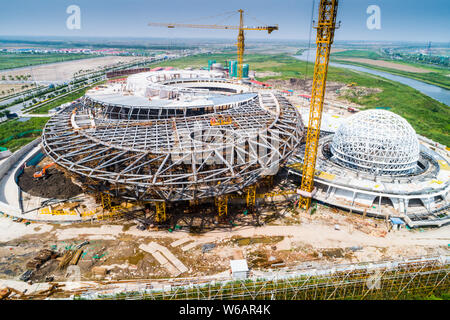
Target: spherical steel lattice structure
[{"x": 378, "y": 142}]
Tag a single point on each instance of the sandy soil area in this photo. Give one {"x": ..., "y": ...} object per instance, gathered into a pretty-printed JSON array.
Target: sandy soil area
[
  {"x": 328, "y": 236},
  {"x": 387, "y": 64},
  {"x": 262, "y": 74},
  {"x": 65, "y": 70},
  {"x": 17, "y": 88}
]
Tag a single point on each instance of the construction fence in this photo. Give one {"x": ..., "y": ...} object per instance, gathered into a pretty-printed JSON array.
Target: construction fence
[{"x": 416, "y": 279}]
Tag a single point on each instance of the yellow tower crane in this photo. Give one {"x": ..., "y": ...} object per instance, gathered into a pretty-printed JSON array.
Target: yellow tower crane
[
  {"x": 325, "y": 33},
  {"x": 240, "y": 41}
]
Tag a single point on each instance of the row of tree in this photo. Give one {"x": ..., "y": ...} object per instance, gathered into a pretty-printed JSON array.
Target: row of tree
[{"x": 17, "y": 77}]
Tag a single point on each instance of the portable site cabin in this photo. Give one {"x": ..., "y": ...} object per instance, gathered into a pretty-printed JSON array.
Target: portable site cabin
[{"x": 239, "y": 269}]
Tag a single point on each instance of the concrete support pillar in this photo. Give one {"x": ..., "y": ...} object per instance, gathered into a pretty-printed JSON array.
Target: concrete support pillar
[
  {"x": 406, "y": 202},
  {"x": 328, "y": 192},
  {"x": 379, "y": 205}
]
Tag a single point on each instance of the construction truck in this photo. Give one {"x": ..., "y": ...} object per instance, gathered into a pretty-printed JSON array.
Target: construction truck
[{"x": 42, "y": 173}]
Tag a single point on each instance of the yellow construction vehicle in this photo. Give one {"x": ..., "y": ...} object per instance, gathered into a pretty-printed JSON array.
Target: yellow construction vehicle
[
  {"x": 325, "y": 34},
  {"x": 240, "y": 40}
]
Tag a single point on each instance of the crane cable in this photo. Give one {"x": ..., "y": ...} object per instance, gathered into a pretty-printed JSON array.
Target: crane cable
[
  {"x": 309, "y": 40},
  {"x": 229, "y": 13}
]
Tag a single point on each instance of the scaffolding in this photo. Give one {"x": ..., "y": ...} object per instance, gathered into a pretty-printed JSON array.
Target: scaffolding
[{"x": 412, "y": 279}]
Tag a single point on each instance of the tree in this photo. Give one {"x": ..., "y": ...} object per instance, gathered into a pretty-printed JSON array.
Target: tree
[{"x": 7, "y": 113}]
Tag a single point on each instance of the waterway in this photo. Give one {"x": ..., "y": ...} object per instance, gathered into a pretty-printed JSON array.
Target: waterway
[{"x": 435, "y": 92}]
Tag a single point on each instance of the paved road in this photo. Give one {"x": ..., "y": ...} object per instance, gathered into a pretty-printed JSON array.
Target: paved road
[{"x": 17, "y": 108}]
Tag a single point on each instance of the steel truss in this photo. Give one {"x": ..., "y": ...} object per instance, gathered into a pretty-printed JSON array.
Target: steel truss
[
  {"x": 176, "y": 158},
  {"x": 378, "y": 142}
]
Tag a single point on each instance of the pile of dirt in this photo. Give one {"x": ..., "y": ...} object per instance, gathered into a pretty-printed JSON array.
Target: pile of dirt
[
  {"x": 302, "y": 84},
  {"x": 54, "y": 185}
]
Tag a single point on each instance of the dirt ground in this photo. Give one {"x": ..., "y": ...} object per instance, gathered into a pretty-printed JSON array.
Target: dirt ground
[
  {"x": 66, "y": 70},
  {"x": 298, "y": 84},
  {"x": 17, "y": 88},
  {"x": 387, "y": 64},
  {"x": 283, "y": 240},
  {"x": 54, "y": 185},
  {"x": 335, "y": 92},
  {"x": 261, "y": 74}
]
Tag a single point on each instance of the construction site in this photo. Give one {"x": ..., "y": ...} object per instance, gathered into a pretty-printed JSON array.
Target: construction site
[{"x": 167, "y": 183}]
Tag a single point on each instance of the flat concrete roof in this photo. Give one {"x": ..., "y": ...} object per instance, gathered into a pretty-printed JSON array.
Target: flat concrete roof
[{"x": 139, "y": 101}]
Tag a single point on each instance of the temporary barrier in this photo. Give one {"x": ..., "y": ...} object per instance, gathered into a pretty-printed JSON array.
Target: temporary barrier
[
  {"x": 36, "y": 159},
  {"x": 19, "y": 135}
]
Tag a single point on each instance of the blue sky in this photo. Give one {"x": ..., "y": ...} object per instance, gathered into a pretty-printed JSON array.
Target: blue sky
[{"x": 408, "y": 20}]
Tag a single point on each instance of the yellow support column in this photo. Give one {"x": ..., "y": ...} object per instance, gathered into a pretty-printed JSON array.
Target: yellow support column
[
  {"x": 222, "y": 205},
  {"x": 106, "y": 201},
  {"x": 251, "y": 198},
  {"x": 160, "y": 211}
]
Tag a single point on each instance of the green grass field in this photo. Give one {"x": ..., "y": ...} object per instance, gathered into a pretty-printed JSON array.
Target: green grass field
[
  {"x": 367, "y": 54},
  {"x": 16, "y": 60},
  {"x": 436, "y": 76},
  {"x": 429, "y": 117},
  {"x": 57, "y": 102},
  {"x": 13, "y": 127}
]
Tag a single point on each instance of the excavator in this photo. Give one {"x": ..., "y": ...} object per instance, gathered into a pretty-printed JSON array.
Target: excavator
[{"x": 42, "y": 173}]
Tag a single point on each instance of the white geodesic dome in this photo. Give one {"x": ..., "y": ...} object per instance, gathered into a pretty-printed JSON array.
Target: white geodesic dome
[{"x": 376, "y": 141}]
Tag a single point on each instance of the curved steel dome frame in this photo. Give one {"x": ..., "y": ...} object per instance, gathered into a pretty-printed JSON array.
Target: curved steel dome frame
[
  {"x": 175, "y": 158},
  {"x": 378, "y": 142}
]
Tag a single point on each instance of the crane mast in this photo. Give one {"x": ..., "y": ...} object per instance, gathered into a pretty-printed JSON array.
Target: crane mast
[
  {"x": 325, "y": 33},
  {"x": 240, "y": 40},
  {"x": 240, "y": 44}
]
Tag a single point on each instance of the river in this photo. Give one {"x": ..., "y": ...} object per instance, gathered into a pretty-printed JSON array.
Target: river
[{"x": 435, "y": 92}]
